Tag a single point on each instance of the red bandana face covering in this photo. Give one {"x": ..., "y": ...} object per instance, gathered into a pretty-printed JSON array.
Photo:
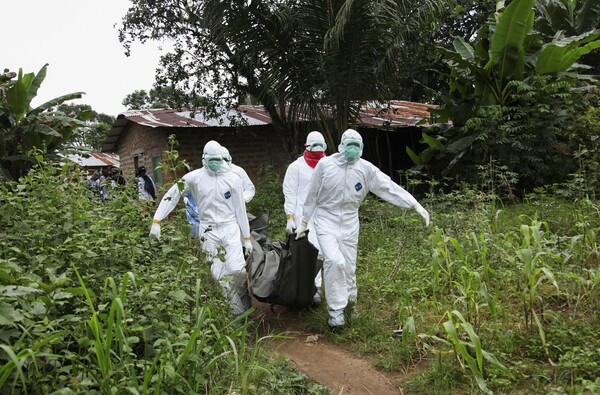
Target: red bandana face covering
[{"x": 312, "y": 157}]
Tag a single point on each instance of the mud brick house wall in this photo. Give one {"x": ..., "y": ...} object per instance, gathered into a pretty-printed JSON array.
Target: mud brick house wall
[{"x": 140, "y": 138}]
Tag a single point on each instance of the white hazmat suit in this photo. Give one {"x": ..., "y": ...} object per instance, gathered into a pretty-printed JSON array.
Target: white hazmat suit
[
  {"x": 249, "y": 190},
  {"x": 222, "y": 216},
  {"x": 295, "y": 189},
  {"x": 340, "y": 183}
]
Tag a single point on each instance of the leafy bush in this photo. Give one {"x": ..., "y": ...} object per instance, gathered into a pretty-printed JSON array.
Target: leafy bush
[
  {"x": 535, "y": 316},
  {"x": 88, "y": 303},
  {"x": 27, "y": 132}
]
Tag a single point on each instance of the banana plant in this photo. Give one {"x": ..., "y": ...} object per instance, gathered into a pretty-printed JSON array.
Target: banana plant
[
  {"x": 507, "y": 49},
  {"x": 485, "y": 72},
  {"x": 573, "y": 17},
  {"x": 24, "y": 129}
]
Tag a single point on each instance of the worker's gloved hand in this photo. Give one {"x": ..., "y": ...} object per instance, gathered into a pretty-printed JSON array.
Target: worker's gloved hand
[
  {"x": 248, "y": 247},
  {"x": 422, "y": 212},
  {"x": 301, "y": 231},
  {"x": 290, "y": 227},
  {"x": 186, "y": 200},
  {"x": 155, "y": 231}
]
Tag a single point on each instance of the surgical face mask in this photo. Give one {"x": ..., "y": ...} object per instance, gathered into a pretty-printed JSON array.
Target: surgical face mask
[
  {"x": 214, "y": 164},
  {"x": 352, "y": 152}
]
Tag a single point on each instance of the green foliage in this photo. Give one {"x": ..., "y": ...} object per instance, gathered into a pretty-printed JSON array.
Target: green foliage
[
  {"x": 161, "y": 97},
  {"x": 89, "y": 304},
  {"x": 490, "y": 262},
  {"x": 569, "y": 18},
  {"x": 511, "y": 98},
  {"x": 315, "y": 60},
  {"x": 464, "y": 349},
  {"x": 526, "y": 137},
  {"x": 584, "y": 132},
  {"x": 172, "y": 167},
  {"x": 25, "y": 130},
  {"x": 94, "y": 133}
]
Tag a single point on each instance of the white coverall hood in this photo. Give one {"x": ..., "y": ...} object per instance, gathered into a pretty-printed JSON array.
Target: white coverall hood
[
  {"x": 226, "y": 154},
  {"x": 315, "y": 142},
  {"x": 212, "y": 150},
  {"x": 351, "y": 136}
]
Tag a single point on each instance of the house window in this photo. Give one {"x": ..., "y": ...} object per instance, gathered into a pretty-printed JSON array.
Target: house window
[
  {"x": 136, "y": 162},
  {"x": 157, "y": 171}
]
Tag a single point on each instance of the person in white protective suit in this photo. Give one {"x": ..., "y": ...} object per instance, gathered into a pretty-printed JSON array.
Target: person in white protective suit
[
  {"x": 249, "y": 190},
  {"x": 340, "y": 183},
  {"x": 295, "y": 188},
  {"x": 190, "y": 204},
  {"x": 222, "y": 215}
]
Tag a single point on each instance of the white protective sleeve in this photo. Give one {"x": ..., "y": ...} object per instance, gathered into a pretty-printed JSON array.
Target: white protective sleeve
[
  {"x": 383, "y": 186},
  {"x": 290, "y": 190},
  {"x": 170, "y": 200},
  {"x": 248, "y": 186},
  {"x": 310, "y": 204},
  {"x": 249, "y": 190},
  {"x": 240, "y": 211}
]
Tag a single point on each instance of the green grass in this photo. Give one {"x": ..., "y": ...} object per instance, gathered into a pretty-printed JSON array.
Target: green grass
[
  {"x": 88, "y": 303},
  {"x": 537, "y": 318}
]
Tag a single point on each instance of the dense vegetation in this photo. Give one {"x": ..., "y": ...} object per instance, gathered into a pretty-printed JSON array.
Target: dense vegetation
[
  {"x": 501, "y": 297},
  {"x": 501, "y": 294},
  {"x": 89, "y": 304}
]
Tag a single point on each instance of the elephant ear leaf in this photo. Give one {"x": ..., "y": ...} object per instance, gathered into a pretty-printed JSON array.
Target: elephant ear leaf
[
  {"x": 414, "y": 157},
  {"x": 432, "y": 142}
]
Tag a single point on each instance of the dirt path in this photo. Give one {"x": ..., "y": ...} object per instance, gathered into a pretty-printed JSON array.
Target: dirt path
[{"x": 328, "y": 364}]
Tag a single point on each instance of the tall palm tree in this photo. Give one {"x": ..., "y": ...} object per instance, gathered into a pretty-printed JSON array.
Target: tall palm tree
[
  {"x": 346, "y": 52},
  {"x": 302, "y": 59}
]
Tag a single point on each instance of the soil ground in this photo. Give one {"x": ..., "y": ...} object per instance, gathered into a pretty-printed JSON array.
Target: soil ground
[{"x": 329, "y": 365}]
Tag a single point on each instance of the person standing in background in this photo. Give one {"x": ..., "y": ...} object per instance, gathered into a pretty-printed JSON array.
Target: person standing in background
[
  {"x": 146, "y": 186},
  {"x": 295, "y": 188}
]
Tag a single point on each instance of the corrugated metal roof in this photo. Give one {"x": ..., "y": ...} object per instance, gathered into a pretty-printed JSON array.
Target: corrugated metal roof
[
  {"x": 394, "y": 114},
  {"x": 95, "y": 159},
  {"x": 390, "y": 114},
  {"x": 252, "y": 115}
]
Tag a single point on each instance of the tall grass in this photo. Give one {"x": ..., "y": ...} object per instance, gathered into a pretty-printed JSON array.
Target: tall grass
[
  {"x": 89, "y": 304},
  {"x": 518, "y": 275}
]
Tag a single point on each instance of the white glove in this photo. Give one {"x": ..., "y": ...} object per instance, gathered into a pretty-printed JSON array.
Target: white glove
[
  {"x": 422, "y": 212},
  {"x": 185, "y": 200},
  {"x": 248, "y": 247},
  {"x": 290, "y": 226},
  {"x": 155, "y": 230},
  {"x": 301, "y": 231}
]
